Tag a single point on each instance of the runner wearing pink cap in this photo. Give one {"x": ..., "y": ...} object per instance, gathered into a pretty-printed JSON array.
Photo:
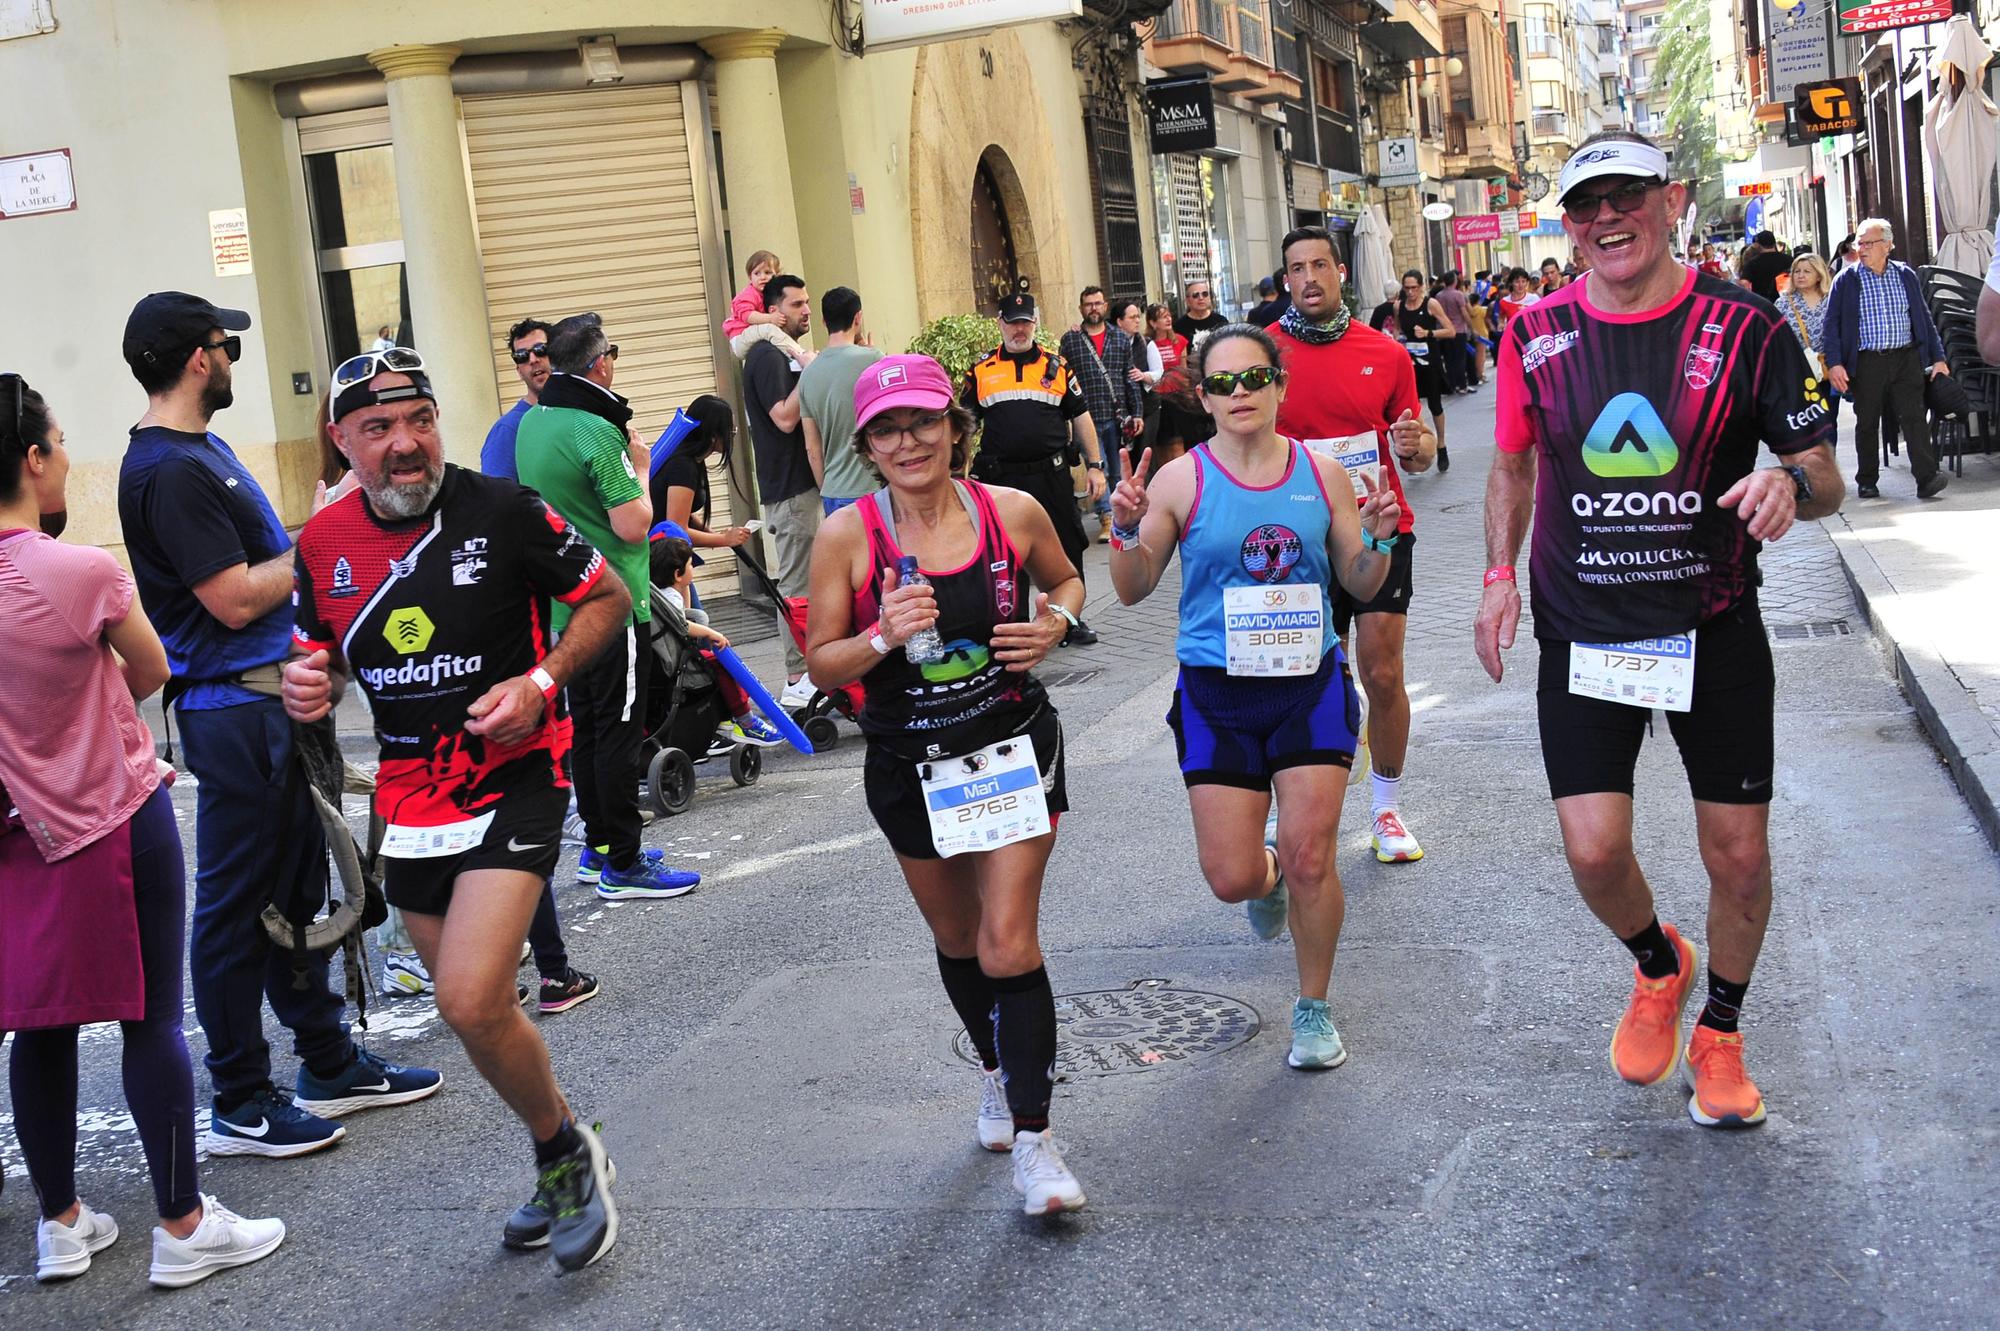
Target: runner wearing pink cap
[{"x": 964, "y": 772}]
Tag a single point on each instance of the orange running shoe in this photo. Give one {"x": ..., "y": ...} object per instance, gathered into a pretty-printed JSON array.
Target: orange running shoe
[
  {"x": 1724, "y": 1096},
  {"x": 1647, "y": 1043}
]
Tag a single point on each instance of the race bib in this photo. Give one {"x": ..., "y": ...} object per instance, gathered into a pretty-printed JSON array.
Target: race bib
[
  {"x": 429, "y": 843},
  {"x": 985, "y": 800},
  {"x": 1360, "y": 454},
  {"x": 1419, "y": 348},
  {"x": 1273, "y": 630},
  {"x": 1652, "y": 672}
]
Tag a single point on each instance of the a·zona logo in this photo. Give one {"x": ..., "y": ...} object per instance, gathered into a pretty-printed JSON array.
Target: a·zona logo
[{"x": 1630, "y": 439}]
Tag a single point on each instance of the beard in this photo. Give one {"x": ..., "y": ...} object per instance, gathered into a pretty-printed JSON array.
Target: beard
[
  {"x": 218, "y": 392},
  {"x": 403, "y": 501}
]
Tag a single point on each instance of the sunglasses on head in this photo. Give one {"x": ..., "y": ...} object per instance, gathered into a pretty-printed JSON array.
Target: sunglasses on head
[
  {"x": 1223, "y": 382},
  {"x": 231, "y": 346},
  {"x": 1625, "y": 198},
  {"x": 521, "y": 354},
  {"x": 19, "y": 385},
  {"x": 360, "y": 369}
]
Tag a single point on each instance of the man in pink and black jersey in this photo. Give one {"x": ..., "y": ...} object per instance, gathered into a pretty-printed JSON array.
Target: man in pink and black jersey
[
  {"x": 431, "y": 585},
  {"x": 1631, "y": 406}
]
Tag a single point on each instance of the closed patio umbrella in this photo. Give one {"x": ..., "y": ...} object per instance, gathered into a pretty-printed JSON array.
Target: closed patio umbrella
[
  {"x": 1373, "y": 267},
  {"x": 1960, "y": 125}
]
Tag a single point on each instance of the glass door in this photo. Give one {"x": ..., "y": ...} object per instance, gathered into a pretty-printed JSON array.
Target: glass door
[{"x": 357, "y": 235}]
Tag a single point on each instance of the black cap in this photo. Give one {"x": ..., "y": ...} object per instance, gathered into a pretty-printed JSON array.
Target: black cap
[
  {"x": 356, "y": 396},
  {"x": 1017, "y": 307},
  {"x": 169, "y": 324}
]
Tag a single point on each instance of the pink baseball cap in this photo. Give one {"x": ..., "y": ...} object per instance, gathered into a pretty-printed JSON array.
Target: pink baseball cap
[{"x": 900, "y": 381}]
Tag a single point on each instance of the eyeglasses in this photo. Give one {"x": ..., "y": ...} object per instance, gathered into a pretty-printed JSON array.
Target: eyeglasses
[
  {"x": 1223, "y": 382},
  {"x": 611, "y": 352},
  {"x": 925, "y": 429},
  {"x": 1198, "y": 295},
  {"x": 360, "y": 369},
  {"x": 1864, "y": 244},
  {"x": 231, "y": 347},
  {"x": 1625, "y": 198},
  {"x": 521, "y": 354}
]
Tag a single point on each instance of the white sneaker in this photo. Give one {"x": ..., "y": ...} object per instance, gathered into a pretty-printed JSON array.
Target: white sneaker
[
  {"x": 996, "y": 1121},
  {"x": 222, "y": 1239},
  {"x": 799, "y": 693},
  {"x": 573, "y": 833},
  {"x": 1392, "y": 841},
  {"x": 404, "y": 973},
  {"x": 1041, "y": 1177},
  {"x": 62, "y": 1252}
]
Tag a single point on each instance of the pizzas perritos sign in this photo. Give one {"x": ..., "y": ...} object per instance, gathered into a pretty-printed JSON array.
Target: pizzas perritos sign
[{"x": 1881, "y": 15}]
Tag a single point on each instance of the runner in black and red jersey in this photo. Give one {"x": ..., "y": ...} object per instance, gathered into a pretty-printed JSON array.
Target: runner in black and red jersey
[
  {"x": 1351, "y": 395},
  {"x": 431, "y": 584},
  {"x": 1631, "y": 404}
]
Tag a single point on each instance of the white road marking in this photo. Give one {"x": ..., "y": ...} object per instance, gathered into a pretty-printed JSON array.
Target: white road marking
[{"x": 765, "y": 863}]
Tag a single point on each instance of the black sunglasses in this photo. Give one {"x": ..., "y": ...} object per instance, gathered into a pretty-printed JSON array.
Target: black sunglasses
[
  {"x": 231, "y": 346},
  {"x": 521, "y": 354},
  {"x": 1626, "y": 198},
  {"x": 1223, "y": 383},
  {"x": 611, "y": 352}
]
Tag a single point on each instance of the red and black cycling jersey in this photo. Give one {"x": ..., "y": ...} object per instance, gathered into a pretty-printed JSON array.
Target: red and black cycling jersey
[
  {"x": 1643, "y": 422},
  {"x": 430, "y": 613}
]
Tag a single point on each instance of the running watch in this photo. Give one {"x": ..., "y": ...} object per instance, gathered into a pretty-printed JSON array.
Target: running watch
[{"x": 1801, "y": 484}]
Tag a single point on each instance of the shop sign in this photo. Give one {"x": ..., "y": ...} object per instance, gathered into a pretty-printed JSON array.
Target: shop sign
[
  {"x": 1502, "y": 245},
  {"x": 36, "y": 183},
  {"x": 1832, "y": 107},
  {"x": 1180, "y": 114},
  {"x": 1882, "y": 15},
  {"x": 1795, "y": 47},
  {"x": 1528, "y": 222},
  {"x": 886, "y": 24},
  {"x": 1437, "y": 212},
  {"x": 1470, "y": 230},
  {"x": 1398, "y": 160},
  {"x": 1510, "y": 224},
  {"x": 1753, "y": 189},
  {"x": 229, "y": 242}
]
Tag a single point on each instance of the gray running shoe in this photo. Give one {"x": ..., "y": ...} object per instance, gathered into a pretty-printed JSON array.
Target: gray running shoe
[
  {"x": 528, "y": 1228},
  {"x": 583, "y": 1218}
]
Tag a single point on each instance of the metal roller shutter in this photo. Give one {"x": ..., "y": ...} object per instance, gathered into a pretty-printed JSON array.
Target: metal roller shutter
[{"x": 586, "y": 201}]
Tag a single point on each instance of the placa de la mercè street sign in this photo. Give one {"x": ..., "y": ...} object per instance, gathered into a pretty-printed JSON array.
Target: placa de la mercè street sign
[
  {"x": 886, "y": 24},
  {"x": 1833, "y": 107},
  {"x": 1180, "y": 115},
  {"x": 1882, "y": 15},
  {"x": 36, "y": 183}
]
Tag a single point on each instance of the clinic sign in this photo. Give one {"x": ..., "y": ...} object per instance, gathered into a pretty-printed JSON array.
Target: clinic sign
[
  {"x": 1858, "y": 16},
  {"x": 35, "y": 183},
  {"x": 1796, "y": 49},
  {"x": 887, "y": 24}
]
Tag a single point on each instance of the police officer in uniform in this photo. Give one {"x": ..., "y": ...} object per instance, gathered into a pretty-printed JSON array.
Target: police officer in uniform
[{"x": 1035, "y": 422}]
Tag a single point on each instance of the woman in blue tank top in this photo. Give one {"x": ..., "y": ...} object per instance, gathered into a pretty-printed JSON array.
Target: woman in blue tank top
[{"x": 1265, "y": 698}]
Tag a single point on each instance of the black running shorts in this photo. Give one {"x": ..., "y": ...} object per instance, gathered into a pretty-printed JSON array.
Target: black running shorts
[
  {"x": 895, "y": 791},
  {"x": 526, "y": 835},
  {"x": 1393, "y": 599},
  {"x": 1591, "y": 746}
]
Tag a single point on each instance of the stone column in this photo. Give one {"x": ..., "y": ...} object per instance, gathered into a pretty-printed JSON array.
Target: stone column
[
  {"x": 755, "y": 164},
  {"x": 440, "y": 245}
]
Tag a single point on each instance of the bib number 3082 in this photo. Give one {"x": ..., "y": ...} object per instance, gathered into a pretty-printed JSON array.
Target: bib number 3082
[
  {"x": 1652, "y": 672},
  {"x": 1273, "y": 630},
  {"x": 985, "y": 800}
]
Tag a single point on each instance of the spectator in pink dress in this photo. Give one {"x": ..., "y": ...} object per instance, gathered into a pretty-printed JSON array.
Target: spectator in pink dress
[
  {"x": 92, "y": 892},
  {"x": 750, "y": 321}
]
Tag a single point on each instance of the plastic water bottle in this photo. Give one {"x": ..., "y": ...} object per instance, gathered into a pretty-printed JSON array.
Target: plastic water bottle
[{"x": 924, "y": 646}]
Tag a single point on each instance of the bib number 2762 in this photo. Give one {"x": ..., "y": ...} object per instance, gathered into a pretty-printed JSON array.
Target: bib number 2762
[{"x": 985, "y": 800}]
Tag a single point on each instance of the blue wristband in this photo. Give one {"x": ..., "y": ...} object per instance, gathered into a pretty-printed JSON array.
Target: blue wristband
[
  {"x": 1125, "y": 534},
  {"x": 1370, "y": 541}
]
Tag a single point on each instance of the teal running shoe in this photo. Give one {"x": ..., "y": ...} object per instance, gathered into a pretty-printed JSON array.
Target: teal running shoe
[{"x": 1315, "y": 1044}]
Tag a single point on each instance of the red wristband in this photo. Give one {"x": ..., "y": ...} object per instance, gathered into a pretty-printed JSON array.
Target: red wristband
[{"x": 1499, "y": 573}]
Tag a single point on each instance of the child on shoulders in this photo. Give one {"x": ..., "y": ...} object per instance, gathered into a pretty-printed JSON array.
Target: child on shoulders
[{"x": 749, "y": 322}]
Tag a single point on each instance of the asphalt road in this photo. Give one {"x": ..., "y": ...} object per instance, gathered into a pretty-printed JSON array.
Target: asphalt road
[{"x": 774, "y": 1065}]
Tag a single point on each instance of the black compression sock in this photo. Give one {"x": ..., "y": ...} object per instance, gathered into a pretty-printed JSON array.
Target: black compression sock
[
  {"x": 558, "y": 1146},
  {"x": 1025, "y": 1026},
  {"x": 1654, "y": 951},
  {"x": 971, "y": 995},
  {"x": 1725, "y": 1001}
]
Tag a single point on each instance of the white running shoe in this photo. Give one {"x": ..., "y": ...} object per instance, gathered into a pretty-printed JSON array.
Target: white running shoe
[
  {"x": 996, "y": 1121},
  {"x": 1392, "y": 841},
  {"x": 799, "y": 693},
  {"x": 222, "y": 1239},
  {"x": 404, "y": 973},
  {"x": 1040, "y": 1176},
  {"x": 62, "y": 1252},
  {"x": 573, "y": 833}
]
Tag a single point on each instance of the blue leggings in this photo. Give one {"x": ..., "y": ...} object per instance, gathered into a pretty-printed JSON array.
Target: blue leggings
[{"x": 159, "y": 1082}]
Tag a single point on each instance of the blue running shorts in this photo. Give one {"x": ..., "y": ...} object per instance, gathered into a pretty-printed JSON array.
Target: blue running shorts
[{"x": 1236, "y": 731}]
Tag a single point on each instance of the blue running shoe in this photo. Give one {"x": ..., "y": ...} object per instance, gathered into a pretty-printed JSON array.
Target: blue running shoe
[
  {"x": 368, "y": 1083},
  {"x": 756, "y": 730},
  {"x": 1315, "y": 1044},
  {"x": 1267, "y": 913},
  {"x": 268, "y": 1124},
  {"x": 591, "y": 861},
  {"x": 647, "y": 878}
]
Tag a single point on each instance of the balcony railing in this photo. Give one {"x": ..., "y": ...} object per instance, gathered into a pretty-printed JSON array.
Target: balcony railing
[
  {"x": 1196, "y": 18},
  {"x": 1549, "y": 124}
]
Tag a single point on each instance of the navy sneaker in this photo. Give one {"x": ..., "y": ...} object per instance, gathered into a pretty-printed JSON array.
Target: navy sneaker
[
  {"x": 268, "y": 1124},
  {"x": 591, "y": 862},
  {"x": 647, "y": 878},
  {"x": 368, "y": 1083}
]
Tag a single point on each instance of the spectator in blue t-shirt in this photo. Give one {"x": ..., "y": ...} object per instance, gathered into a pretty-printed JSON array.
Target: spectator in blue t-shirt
[
  {"x": 214, "y": 570},
  {"x": 528, "y": 343}
]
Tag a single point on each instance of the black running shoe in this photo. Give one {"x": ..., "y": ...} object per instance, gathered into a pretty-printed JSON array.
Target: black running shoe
[
  {"x": 564, "y": 994},
  {"x": 583, "y": 1218},
  {"x": 1444, "y": 459},
  {"x": 1080, "y": 635}
]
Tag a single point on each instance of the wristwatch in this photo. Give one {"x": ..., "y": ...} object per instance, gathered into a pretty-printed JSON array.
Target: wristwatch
[
  {"x": 1802, "y": 485},
  {"x": 1094, "y": 466}
]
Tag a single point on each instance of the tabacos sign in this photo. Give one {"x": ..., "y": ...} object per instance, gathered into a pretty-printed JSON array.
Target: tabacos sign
[{"x": 1180, "y": 114}]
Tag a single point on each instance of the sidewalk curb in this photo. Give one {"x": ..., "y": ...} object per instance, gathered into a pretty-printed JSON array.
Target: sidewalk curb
[{"x": 1955, "y": 724}]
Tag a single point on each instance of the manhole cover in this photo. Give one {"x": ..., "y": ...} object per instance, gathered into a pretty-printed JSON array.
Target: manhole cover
[
  {"x": 1813, "y": 629},
  {"x": 1140, "y": 1029}
]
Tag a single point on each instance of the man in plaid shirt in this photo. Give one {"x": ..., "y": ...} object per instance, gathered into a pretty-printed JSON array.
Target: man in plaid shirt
[
  {"x": 1100, "y": 357},
  {"x": 1881, "y": 348}
]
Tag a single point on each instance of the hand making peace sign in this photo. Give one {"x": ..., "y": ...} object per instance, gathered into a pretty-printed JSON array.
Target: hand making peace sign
[{"x": 1129, "y": 501}]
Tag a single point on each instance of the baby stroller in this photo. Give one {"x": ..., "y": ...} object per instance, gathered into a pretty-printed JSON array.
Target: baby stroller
[
  {"x": 816, "y": 718},
  {"x": 683, "y": 709}
]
